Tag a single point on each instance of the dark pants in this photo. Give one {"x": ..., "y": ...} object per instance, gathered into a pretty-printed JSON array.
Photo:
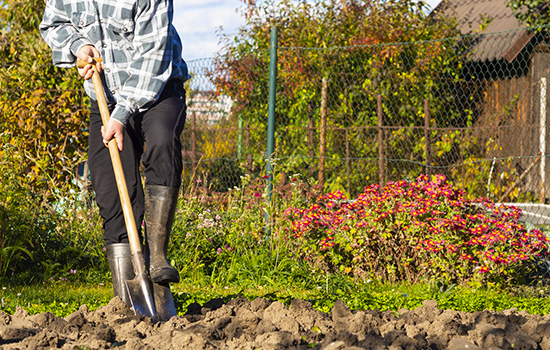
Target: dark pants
[{"x": 152, "y": 137}]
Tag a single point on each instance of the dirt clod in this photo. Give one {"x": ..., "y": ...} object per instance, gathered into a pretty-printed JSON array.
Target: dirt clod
[{"x": 261, "y": 324}]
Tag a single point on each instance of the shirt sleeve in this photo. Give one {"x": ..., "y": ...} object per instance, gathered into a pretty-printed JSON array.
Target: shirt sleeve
[
  {"x": 60, "y": 34},
  {"x": 152, "y": 63}
]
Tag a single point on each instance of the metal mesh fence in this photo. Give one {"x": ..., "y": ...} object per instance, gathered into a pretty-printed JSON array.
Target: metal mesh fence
[{"x": 472, "y": 108}]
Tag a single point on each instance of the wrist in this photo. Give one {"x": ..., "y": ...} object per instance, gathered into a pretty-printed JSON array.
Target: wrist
[{"x": 77, "y": 45}]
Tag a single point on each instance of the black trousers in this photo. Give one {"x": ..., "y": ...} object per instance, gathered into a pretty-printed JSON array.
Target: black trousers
[{"x": 151, "y": 142}]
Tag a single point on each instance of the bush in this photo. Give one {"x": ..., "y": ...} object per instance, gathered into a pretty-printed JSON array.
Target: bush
[
  {"x": 413, "y": 230},
  {"x": 54, "y": 229},
  {"x": 20, "y": 222}
]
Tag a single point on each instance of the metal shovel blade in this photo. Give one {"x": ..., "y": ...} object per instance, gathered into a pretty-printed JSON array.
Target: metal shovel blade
[
  {"x": 164, "y": 302},
  {"x": 140, "y": 291}
]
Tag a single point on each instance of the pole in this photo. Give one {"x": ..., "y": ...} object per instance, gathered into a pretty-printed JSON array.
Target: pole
[
  {"x": 310, "y": 137},
  {"x": 427, "y": 137},
  {"x": 193, "y": 141},
  {"x": 381, "y": 162},
  {"x": 271, "y": 119},
  {"x": 348, "y": 166},
  {"x": 240, "y": 139},
  {"x": 542, "y": 146},
  {"x": 323, "y": 133}
]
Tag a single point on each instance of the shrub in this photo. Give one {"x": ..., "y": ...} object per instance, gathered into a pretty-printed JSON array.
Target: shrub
[
  {"x": 20, "y": 222},
  {"x": 413, "y": 230},
  {"x": 54, "y": 229}
]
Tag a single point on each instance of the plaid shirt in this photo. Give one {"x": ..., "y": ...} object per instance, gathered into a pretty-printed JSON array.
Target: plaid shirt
[{"x": 139, "y": 45}]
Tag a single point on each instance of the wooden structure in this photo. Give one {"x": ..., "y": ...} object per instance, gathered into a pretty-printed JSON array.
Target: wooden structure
[{"x": 509, "y": 70}]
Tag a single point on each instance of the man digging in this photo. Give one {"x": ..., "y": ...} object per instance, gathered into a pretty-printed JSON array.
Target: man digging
[{"x": 137, "y": 51}]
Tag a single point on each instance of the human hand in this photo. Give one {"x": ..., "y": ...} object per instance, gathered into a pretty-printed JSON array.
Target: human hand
[
  {"x": 87, "y": 53},
  {"x": 115, "y": 130}
]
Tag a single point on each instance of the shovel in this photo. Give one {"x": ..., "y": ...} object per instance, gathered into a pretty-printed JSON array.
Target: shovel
[{"x": 143, "y": 294}]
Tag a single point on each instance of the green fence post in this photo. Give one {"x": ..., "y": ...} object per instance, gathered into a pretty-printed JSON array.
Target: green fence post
[
  {"x": 240, "y": 138},
  {"x": 271, "y": 120}
]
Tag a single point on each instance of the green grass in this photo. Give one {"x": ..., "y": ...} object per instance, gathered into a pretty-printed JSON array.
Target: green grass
[
  {"x": 222, "y": 250},
  {"x": 64, "y": 297},
  {"x": 59, "y": 298}
]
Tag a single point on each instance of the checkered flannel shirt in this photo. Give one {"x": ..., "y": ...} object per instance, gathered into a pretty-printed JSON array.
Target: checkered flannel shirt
[{"x": 139, "y": 45}]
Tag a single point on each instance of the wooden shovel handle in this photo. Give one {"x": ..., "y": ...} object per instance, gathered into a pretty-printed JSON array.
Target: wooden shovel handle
[
  {"x": 99, "y": 93},
  {"x": 129, "y": 219},
  {"x": 81, "y": 63}
]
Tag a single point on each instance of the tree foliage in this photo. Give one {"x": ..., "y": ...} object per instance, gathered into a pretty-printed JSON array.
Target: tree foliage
[
  {"x": 534, "y": 13},
  {"x": 39, "y": 104},
  {"x": 42, "y": 139},
  {"x": 364, "y": 50}
]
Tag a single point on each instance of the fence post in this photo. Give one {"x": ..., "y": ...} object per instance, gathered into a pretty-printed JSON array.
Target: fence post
[
  {"x": 250, "y": 160},
  {"x": 271, "y": 119},
  {"x": 193, "y": 141},
  {"x": 462, "y": 138},
  {"x": 381, "y": 156},
  {"x": 427, "y": 137},
  {"x": 214, "y": 151},
  {"x": 240, "y": 139},
  {"x": 323, "y": 133},
  {"x": 542, "y": 146},
  {"x": 311, "y": 137},
  {"x": 348, "y": 166}
]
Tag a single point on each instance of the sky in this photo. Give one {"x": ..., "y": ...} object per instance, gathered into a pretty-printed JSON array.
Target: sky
[{"x": 199, "y": 22}]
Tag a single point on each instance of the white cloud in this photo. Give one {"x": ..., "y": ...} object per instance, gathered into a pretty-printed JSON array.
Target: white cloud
[{"x": 199, "y": 21}]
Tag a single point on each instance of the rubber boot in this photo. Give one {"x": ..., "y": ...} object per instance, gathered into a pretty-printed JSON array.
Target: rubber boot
[
  {"x": 119, "y": 256},
  {"x": 160, "y": 208}
]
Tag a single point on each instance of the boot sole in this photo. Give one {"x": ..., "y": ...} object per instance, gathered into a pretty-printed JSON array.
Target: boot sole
[{"x": 165, "y": 276}]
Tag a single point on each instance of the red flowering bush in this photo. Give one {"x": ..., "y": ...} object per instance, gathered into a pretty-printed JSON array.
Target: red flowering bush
[{"x": 413, "y": 230}]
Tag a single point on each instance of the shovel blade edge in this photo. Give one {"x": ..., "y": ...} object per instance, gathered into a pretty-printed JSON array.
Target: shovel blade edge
[
  {"x": 164, "y": 302},
  {"x": 140, "y": 291}
]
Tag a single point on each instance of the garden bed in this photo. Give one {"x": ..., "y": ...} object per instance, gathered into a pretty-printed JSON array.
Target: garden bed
[{"x": 262, "y": 324}]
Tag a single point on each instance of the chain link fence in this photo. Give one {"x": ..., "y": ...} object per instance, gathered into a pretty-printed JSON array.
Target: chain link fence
[{"x": 473, "y": 108}]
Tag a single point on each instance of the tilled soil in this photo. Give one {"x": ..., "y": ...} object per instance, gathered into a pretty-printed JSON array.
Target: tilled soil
[{"x": 262, "y": 324}]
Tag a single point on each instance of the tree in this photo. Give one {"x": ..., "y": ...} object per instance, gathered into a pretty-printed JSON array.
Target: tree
[
  {"x": 40, "y": 105},
  {"x": 534, "y": 13},
  {"x": 365, "y": 49},
  {"x": 42, "y": 138}
]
